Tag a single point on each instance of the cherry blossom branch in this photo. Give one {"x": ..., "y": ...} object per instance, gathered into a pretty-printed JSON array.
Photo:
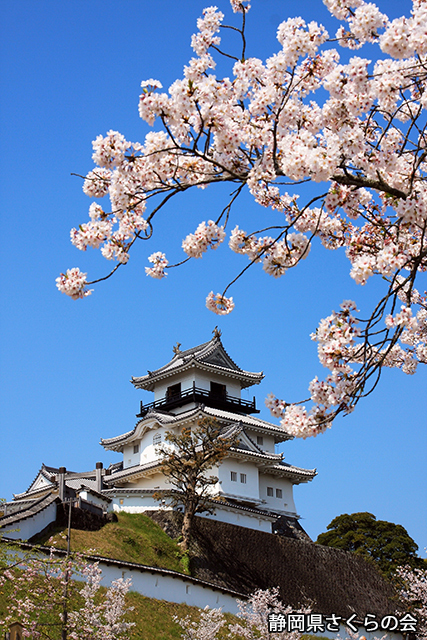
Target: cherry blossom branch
[{"x": 300, "y": 116}]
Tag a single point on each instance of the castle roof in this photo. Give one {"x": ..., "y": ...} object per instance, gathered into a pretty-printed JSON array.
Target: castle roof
[
  {"x": 169, "y": 419},
  {"x": 209, "y": 356},
  {"x": 246, "y": 449}
]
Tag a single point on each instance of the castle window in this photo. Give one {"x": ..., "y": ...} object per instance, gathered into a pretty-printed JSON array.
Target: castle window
[
  {"x": 270, "y": 491},
  {"x": 157, "y": 438},
  {"x": 218, "y": 390},
  {"x": 174, "y": 391},
  {"x": 136, "y": 448},
  {"x": 233, "y": 476},
  {"x": 260, "y": 440},
  {"x": 243, "y": 478},
  {"x": 278, "y": 493}
]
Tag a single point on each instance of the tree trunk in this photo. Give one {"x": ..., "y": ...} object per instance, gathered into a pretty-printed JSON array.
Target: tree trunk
[{"x": 187, "y": 525}]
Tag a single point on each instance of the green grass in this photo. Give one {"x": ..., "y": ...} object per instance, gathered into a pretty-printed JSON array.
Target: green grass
[{"x": 134, "y": 538}]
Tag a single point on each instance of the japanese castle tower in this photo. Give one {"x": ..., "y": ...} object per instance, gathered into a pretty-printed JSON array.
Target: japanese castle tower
[{"x": 255, "y": 485}]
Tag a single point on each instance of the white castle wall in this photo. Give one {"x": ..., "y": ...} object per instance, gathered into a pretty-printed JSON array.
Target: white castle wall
[
  {"x": 202, "y": 381},
  {"x": 268, "y": 443},
  {"x": 248, "y": 489},
  {"x": 28, "y": 528},
  {"x": 242, "y": 519},
  {"x": 286, "y": 502}
]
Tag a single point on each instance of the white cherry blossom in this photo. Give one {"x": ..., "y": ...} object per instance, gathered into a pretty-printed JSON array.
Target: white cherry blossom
[{"x": 355, "y": 129}]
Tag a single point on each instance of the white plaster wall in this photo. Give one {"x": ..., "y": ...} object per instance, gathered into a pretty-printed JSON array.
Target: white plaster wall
[
  {"x": 170, "y": 588},
  {"x": 186, "y": 379},
  {"x": 268, "y": 441},
  {"x": 130, "y": 459},
  {"x": 147, "y": 446},
  {"x": 241, "y": 519},
  {"x": 147, "y": 449},
  {"x": 286, "y": 502},
  {"x": 30, "y": 526},
  {"x": 40, "y": 482},
  {"x": 134, "y": 504},
  {"x": 202, "y": 381},
  {"x": 89, "y": 497},
  {"x": 155, "y": 481},
  {"x": 248, "y": 490}
]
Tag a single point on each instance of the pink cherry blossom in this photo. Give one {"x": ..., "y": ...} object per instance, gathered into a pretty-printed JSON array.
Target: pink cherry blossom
[
  {"x": 219, "y": 304},
  {"x": 160, "y": 263},
  {"x": 73, "y": 283},
  {"x": 353, "y": 128},
  {"x": 206, "y": 235}
]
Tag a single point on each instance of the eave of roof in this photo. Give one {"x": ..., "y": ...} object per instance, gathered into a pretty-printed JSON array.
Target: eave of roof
[
  {"x": 267, "y": 428},
  {"x": 219, "y": 503},
  {"x": 268, "y": 462},
  {"x": 136, "y": 471}
]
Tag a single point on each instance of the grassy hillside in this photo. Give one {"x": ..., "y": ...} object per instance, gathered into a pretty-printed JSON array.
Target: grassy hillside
[
  {"x": 154, "y": 619},
  {"x": 134, "y": 538}
]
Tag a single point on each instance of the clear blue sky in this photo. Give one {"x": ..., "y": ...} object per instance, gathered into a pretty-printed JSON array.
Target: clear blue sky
[{"x": 72, "y": 70}]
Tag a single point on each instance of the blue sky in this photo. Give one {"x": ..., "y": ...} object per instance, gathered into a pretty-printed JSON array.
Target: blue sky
[{"x": 71, "y": 70}]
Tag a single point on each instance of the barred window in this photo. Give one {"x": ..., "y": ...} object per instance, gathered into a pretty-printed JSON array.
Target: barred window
[
  {"x": 157, "y": 438},
  {"x": 136, "y": 448},
  {"x": 243, "y": 478},
  {"x": 278, "y": 493},
  {"x": 260, "y": 440},
  {"x": 233, "y": 476},
  {"x": 270, "y": 491}
]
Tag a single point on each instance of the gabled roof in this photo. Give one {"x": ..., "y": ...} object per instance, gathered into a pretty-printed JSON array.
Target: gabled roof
[
  {"x": 46, "y": 481},
  {"x": 209, "y": 356},
  {"x": 43, "y": 480},
  {"x": 245, "y": 442}
]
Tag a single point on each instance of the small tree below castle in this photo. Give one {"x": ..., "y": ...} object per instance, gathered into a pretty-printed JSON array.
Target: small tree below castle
[{"x": 187, "y": 458}]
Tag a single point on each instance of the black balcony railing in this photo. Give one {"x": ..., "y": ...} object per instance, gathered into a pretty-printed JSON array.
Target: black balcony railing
[{"x": 195, "y": 394}]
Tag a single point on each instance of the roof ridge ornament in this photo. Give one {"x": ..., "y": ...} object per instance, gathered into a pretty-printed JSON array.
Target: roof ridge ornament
[
  {"x": 177, "y": 349},
  {"x": 217, "y": 333}
]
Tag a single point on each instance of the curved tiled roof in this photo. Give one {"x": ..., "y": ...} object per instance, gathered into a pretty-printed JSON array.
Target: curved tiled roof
[
  {"x": 29, "y": 511},
  {"x": 164, "y": 418},
  {"x": 210, "y": 356}
]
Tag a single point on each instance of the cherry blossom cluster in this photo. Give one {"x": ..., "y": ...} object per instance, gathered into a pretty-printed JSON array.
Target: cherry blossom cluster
[
  {"x": 219, "y": 304},
  {"x": 104, "y": 618},
  {"x": 205, "y": 236},
  {"x": 356, "y": 128},
  {"x": 73, "y": 283},
  {"x": 414, "y": 592},
  {"x": 44, "y": 587},
  {"x": 277, "y": 255},
  {"x": 252, "y": 620},
  {"x": 160, "y": 263},
  {"x": 336, "y": 336}
]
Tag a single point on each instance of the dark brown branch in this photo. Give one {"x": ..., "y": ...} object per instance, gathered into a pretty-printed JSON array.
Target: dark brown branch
[{"x": 359, "y": 181}]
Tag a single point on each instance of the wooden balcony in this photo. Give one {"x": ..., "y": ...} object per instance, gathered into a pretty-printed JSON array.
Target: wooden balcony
[{"x": 202, "y": 396}]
